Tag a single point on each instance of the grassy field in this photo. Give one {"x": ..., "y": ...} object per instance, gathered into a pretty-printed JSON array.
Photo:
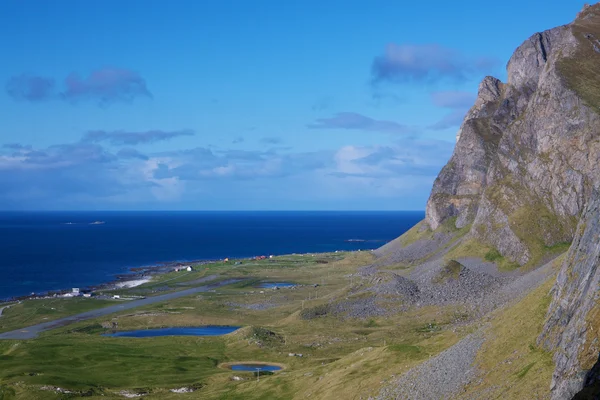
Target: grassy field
[
  {"x": 335, "y": 351},
  {"x": 341, "y": 357},
  {"x": 31, "y": 312}
]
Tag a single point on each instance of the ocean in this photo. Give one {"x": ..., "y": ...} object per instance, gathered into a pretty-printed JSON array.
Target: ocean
[{"x": 44, "y": 251}]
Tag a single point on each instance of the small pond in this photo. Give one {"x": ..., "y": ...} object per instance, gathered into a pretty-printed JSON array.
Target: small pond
[
  {"x": 273, "y": 285},
  {"x": 254, "y": 367},
  {"x": 184, "y": 331}
]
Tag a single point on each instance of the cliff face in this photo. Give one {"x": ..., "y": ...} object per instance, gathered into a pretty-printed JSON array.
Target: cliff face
[
  {"x": 527, "y": 153},
  {"x": 572, "y": 330},
  {"x": 524, "y": 176}
]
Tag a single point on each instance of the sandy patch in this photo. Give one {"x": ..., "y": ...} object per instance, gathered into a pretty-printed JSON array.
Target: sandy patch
[{"x": 132, "y": 283}]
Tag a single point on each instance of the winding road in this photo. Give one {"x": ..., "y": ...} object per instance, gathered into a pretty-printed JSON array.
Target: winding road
[{"x": 33, "y": 331}]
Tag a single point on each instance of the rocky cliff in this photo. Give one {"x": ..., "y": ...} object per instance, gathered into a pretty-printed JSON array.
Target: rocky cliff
[
  {"x": 523, "y": 180},
  {"x": 528, "y": 151},
  {"x": 572, "y": 330}
]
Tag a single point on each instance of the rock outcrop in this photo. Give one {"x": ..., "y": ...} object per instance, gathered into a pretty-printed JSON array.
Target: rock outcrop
[
  {"x": 572, "y": 330},
  {"x": 528, "y": 151},
  {"x": 523, "y": 179}
]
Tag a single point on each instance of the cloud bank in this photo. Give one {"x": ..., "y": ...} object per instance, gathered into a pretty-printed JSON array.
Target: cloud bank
[
  {"x": 407, "y": 63},
  {"x": 119, "y": 138},
  {"x": 103, "y": 87},
  {"x": 355, "y": 121},
  {"x": 87, "y": 174}
]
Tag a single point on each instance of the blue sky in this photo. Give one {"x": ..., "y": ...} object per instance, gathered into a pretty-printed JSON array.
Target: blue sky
[{"x": 243, "y": 105}]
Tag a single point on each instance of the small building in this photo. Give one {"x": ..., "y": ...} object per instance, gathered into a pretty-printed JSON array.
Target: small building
[
  {"x": 87, "y": 295},
  {"x": 189, "y": 269},
  {"x": 75, "y": 290}
]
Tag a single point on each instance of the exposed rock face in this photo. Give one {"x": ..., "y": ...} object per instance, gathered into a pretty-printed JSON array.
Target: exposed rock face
[
  {"x": 572, "y": 330},
  {"x": 524, "y": 176},
  {"x": 527, "y": 153}
]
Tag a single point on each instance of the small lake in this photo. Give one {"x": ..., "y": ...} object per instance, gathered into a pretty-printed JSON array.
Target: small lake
[
  {"x": 255, "y": 367},
  {"x": 187, "y": 331},
  {"x": 273, "y": 285}
]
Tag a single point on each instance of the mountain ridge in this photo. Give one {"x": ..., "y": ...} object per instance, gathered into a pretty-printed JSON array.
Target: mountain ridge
[{"x": 522, "y": 186}]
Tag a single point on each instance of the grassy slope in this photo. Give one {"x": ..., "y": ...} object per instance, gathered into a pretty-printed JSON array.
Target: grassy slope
[
  {"x": 511, "y": 364},
  {"x": 582, "y": 71}
]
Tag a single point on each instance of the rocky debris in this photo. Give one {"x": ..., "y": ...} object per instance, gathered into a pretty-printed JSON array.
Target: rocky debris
[
  {"x": 131, "y": 395},
  {"x": 572, "y": 328},
  {"x": 439, "y": 284},
  {"x": 415, "y": 251},
  {"x": 440, "y": 377},
  {"x": 183, "y": 390},
  {"x": 263, "y": 337},
  {"x": 365, "y": 307},
  {"x": 271, "y": 301},
  {"x": 56, "y": 389},
  {"x": 265, "y": 305},
  {"x": 389, "y": 283},
  {"x": 470, "y": 282}
]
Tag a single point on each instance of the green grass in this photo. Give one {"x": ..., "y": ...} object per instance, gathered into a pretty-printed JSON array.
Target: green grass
[
  {"x": 493, "y": 255},
  {"x": 475, "y": 248},
  {"x": 582, "y": 70},
  {"x": 31, "y": 312},
  {"x": 408, "y": 350},
  {"x": 521, "y": 374},
  {"x": 511, "y": 366},
  {"x": 450, "y": 271}
]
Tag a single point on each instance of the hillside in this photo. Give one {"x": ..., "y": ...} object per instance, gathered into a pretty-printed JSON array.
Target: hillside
[
  {"x": 520, "y": 188},
  {"x": 495, "y": 294}
]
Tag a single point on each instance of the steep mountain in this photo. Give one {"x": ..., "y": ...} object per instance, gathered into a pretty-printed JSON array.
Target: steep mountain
[
  {"x": 521, "y": 187},
  {"x": 528, "y": 151}
]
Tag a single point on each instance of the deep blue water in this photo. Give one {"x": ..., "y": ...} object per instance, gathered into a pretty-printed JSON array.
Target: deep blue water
[
  {"x": 41, "y": 251},
  {"x": 255, "y": 367},
  {"x": 197, "y": 331}
]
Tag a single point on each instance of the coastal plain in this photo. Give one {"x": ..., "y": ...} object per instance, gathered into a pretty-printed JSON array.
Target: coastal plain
[{"x": 338, "y": 333}]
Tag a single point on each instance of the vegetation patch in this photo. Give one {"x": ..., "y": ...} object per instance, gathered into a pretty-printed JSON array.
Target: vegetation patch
[
  {"x": 450, "y": 272},
  {"x": 316, "y": 312},
  {"x": 582, "y": 71},
  {"x": 509, "y": 355},
  {"x": 493, "y": 255},
  {"x": 408, "y": 350},
  {"x": 89, "y": 329},
  {"x": 429, "y": 328},
  {"x": 265, "y": 337},
  {"x": 475, "y": 248},
  {"x": 525, "y": 370}
]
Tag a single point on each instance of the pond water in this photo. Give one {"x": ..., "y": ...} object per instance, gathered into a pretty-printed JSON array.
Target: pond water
[
  {"x": 255, "y": 367},
  {"x": 186, "y": 331},
  {"x": 273, "y": 285}
]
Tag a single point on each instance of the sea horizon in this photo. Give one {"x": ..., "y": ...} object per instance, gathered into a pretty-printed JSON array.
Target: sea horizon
[{"x": 55, "y": 250}]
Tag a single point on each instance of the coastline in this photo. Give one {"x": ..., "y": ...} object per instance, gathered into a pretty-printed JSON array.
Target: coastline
[{"x": 136, "y": 276}]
